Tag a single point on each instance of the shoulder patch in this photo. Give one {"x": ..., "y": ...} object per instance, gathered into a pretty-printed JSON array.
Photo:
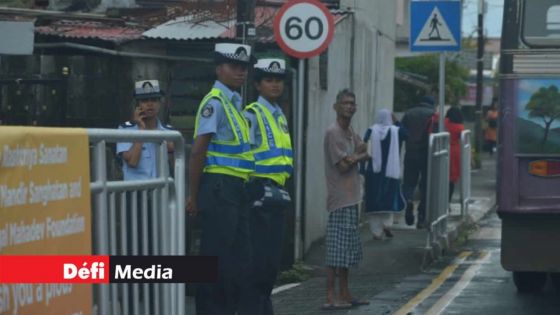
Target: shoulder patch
[
  {"x": 207, "y": 111},
  {"x": 167, "y": 126},
  {"x": 284, "y": 127},
  {"x": 128, "y": 124}
]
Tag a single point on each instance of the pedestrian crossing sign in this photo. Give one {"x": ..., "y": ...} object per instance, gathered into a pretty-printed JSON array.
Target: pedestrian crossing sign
[{"x": 435, "y": 25}]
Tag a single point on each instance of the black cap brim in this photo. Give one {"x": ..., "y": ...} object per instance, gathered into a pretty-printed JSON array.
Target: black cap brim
[
  {"x": 259, "y": 74},
  {"x": 150, "y": 95}
]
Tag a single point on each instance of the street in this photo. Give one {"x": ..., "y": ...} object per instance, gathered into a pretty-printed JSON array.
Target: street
[
  {"x": 470, "y": 280},
  {"x": 478, "y": 285}
]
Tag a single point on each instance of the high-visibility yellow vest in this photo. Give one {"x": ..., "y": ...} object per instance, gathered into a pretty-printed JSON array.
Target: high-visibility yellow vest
[
  {"x": 273, "y": 158},
  {"x": 228, "y": 157}
]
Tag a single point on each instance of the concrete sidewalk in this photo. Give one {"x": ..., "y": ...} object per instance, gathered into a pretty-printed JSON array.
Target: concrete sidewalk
[{"x": 386, "y": 262}]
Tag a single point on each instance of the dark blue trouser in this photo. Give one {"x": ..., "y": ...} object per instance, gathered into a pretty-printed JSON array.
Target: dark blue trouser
[
  {"x": 267, "y": 232},
  {"x": 224, "y": 221},
  {"x": 416, "y": 168}
]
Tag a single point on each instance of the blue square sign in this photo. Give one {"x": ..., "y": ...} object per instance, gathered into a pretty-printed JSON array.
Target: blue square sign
[{"x": 435, "y": 25}]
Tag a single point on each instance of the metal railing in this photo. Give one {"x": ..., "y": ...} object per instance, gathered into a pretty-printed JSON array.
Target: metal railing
[
  {"x": 144, "y": 217},
  {"x": 437, "y": 190},
  {"x": 466, "y": 151}
]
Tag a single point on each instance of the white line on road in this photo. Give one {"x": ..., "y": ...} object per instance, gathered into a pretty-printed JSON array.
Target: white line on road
[
  {"x": 285, "y": 287},
  {"x": 467, "y": 277}
]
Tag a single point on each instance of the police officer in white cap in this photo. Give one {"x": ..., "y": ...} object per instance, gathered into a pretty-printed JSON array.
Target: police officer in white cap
[
  {"x": 272, "y": 149},
  {"x": 139, "y": 158},
  {"x": 220, "y": 163}
]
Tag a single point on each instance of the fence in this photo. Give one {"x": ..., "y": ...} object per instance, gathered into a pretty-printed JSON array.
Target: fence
[
  {"x": 466, "y": 150},
  {"x": 144, "y": 217},
  {"x": 437, "y": 190}
]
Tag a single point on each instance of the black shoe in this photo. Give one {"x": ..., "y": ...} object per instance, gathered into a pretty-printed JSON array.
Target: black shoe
[
  {"x": 409, "y": 215},
  {"x": 387, "y": 232},
  {"x": 421, "y": 225}
]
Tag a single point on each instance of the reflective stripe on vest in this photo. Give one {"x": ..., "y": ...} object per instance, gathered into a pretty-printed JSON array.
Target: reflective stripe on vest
[
  {"x": 228, "y": 157},
  {"x": 273, "y": 158}
]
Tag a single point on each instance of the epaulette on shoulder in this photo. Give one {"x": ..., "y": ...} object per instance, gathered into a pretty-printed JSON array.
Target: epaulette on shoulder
[
  {"x": 128, "y": 124},
  {"x": 167, "y": 126}
]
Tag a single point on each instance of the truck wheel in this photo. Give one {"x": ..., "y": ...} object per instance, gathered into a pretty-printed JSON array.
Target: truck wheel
[
  {"x": 529, "y": 282},
  {"x": 555, "y": 277}
]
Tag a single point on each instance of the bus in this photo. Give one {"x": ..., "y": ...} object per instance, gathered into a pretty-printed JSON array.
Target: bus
[{"x": 528, "y": 191}]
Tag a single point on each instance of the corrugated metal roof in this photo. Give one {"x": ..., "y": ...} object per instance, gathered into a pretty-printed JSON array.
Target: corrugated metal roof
[
  {"x": 91, "y": 30},
  {"x": 193, "y": 27}
]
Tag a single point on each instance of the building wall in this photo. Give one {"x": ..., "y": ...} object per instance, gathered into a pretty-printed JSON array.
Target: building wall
[{"x": 368, "y": 69}]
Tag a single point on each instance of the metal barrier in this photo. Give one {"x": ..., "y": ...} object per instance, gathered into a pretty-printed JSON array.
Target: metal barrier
[
  {"x": 466, "y": 151},
  {"x": 437, "y": 190},
  {"x": 144, "y": 217}
]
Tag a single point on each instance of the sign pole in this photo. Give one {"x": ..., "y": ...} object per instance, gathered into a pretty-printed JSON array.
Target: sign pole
[
  {"x": 303, "y": 29},
  {"x": 441, "y": 90},
  {"x": 298, "y": 161}
]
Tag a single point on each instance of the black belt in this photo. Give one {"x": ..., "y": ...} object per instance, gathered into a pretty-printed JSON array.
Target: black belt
[{"x": 266, "y": 181}]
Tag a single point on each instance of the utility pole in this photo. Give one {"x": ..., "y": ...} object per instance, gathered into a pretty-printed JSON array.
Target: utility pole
[
  {"x": 479, "y": 78},
  {"x": 246, "y": 31}
]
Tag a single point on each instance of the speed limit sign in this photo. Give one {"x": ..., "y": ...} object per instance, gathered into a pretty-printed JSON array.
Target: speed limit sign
[{"x": 303, "y": 28}]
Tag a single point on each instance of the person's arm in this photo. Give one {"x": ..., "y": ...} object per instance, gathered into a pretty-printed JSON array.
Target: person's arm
[
  {"x": 343, "y": 161},
  {"x": 360, "y": 153},
  {"x": 197, "y": 161},
  {"x": 132, "y": 156},
  {"x": 209, "y": 117}
]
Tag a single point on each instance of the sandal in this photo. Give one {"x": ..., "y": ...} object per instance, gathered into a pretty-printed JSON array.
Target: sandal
[{"x": 356, "y": 302}]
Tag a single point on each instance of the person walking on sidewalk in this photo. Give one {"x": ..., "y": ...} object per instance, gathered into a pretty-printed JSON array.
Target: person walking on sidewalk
[
  {"x": 454, "y": 125},
  {"x": 417, "y": 121},
  {"x": 382, "y": 193},
  {"x": 220, "y": 163},
  {"x": 343, "y": 150},
  {"x": 491, "y": 131},
  {"x": 273, "y": 166}
]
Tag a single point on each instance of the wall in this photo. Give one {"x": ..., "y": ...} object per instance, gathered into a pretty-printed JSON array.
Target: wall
[{"x": 368, "y": 69}]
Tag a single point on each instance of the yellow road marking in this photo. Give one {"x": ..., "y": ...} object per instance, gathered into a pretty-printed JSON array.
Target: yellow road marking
[
  {"x": 448, "y": 297},
  {"x": 436, "y": 283}
]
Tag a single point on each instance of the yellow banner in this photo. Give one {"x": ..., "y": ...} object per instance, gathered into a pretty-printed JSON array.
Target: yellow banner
[{"x": 45, "y": 208}]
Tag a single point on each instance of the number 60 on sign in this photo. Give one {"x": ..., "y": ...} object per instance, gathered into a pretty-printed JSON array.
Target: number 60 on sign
[{"x": 303, "y": 28}]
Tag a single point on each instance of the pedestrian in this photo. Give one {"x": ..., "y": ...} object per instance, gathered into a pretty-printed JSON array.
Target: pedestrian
[
  {"x": 273, "y": 166},
  {"x": 139, "y": 158},
  {"x": 417, "y": 121},
  {"x": 382, "y": 193},
  {"x": 454, "y": 125},
  {"x": 219, "y": 166},
  {"x": 491, "y": 131},
  {"x": 343, "y": 150}
]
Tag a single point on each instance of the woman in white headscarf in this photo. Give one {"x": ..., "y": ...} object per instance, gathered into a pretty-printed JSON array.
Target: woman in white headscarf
[{"x": 382, "y": 193}]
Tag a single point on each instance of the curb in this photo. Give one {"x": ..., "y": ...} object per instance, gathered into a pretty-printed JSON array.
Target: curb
[{"x": 454, "y": 231}]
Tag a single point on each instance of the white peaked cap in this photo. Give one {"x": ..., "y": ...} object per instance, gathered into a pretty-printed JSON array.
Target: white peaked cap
[
  {"x": 271, "y": 65},
  {"x": 234, "y": 52}
]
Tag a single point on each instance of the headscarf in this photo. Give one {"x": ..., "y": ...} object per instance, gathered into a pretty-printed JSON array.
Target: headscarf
[{"x": 383, "y": 125}]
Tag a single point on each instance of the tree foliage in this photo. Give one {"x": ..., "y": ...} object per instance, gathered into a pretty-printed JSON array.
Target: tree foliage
[
  {"x": 545, "y": 104},
  {"x": 456, "y": 76}
]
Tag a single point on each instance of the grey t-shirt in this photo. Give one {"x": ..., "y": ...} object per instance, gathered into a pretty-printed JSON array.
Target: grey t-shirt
[{"x": 343, "y": 189}]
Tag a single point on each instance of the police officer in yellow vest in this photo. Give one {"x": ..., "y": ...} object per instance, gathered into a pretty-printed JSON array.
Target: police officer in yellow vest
[
  {"x": 273, "y": 166},
  {"x": 220, "y": 163}
]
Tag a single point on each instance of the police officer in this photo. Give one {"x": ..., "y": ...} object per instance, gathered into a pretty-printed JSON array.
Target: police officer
[
  {"x": 273, "y": 166},
  {"x": 220, "y": 163},
  {"x": 140, "y": 158}
]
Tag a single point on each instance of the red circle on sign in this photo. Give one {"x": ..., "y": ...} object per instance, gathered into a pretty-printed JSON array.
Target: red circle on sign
[{"x": 289, "y": 50}]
